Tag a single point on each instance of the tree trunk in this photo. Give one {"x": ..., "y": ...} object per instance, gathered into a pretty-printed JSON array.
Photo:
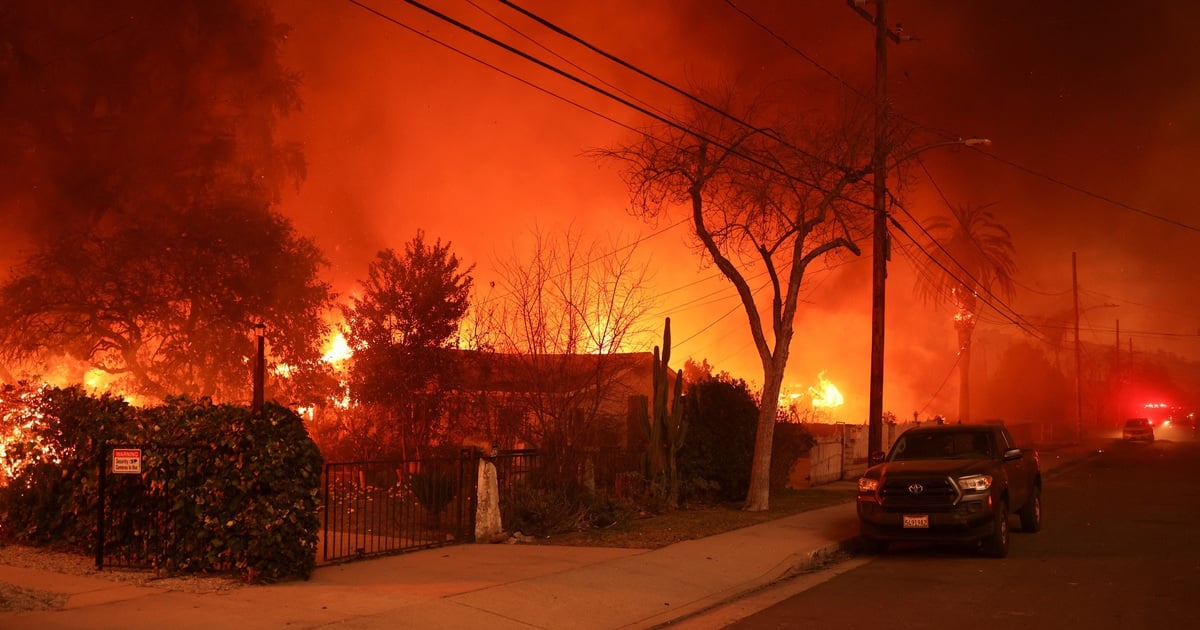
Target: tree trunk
[
  {"x": 964, "y": 378},
  {"x": 759, "y": 494}
]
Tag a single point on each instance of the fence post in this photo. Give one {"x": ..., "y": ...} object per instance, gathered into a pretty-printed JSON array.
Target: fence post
[
  {"x": 101, "y": 465},
  {"x": 325, "y": 506},
  {"x": 468, "y": 478}
]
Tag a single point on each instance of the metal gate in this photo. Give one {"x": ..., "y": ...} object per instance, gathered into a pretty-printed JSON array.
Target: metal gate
[{"x": 374, "y": 508}]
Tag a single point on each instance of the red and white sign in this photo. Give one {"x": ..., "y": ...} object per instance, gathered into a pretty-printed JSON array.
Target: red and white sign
[{"x": 127, "y": 461}]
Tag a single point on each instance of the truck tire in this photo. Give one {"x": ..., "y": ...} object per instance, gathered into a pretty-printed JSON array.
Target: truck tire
[
  {"x": 996, "y": 544},
  {"x": 1031, "y": 514}
]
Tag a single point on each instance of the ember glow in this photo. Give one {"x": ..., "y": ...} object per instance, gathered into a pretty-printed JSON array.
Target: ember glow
[
  {"x": 20, "y": 441},
  {"x": 825, "y": 394},
  {"x": 338, "y": 350},
  {"x": 476, "y": 153}
]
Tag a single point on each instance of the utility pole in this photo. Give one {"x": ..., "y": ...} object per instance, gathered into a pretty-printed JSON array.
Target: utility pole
[
  {"x": 1078, "y": 383},
  {"x": 880, "y": 246},
  {"x": 1119, "y": 385}
]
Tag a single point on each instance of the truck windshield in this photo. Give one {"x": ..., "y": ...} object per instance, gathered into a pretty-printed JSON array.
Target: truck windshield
[{"x": 942, "y": 445}]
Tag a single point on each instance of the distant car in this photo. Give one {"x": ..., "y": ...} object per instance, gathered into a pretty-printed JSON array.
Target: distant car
[{"x": 1138, "y": 429}]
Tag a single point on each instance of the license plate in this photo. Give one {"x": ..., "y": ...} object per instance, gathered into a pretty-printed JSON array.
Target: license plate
[{"x": 916, "y": 521}]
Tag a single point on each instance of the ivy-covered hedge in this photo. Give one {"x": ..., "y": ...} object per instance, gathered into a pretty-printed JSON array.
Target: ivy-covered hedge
[{"x": 221, "y": 490}]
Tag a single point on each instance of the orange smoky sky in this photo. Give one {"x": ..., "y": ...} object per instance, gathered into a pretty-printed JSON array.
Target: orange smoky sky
[{"x": 1091, "y": 106}]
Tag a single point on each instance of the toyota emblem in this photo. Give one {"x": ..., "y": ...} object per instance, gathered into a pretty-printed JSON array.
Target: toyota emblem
[{"x": 916, "y": 488}]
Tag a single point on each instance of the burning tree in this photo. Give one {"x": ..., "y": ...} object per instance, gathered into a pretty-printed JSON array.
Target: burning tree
[
  {"x": 970, "y": 253},
  {"x": 144, "y": 166},
  {"x": 764, "y": 202},
  {"x": 399, "y": 330},
  {"x": 165, "y": 306}
]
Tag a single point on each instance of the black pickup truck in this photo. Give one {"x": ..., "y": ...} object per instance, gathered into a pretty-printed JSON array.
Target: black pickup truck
[{"x": 950, "y": 484}]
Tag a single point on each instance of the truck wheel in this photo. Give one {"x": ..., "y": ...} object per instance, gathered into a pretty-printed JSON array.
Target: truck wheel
[
  {"x": 874, "y": 546},
  {"x": 996, "y": 544},
  {"x": 1031, "y": 514}
]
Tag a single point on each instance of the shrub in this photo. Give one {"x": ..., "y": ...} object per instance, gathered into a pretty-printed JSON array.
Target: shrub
[
  {"x": 52, "y": 441},
  {"x": 722, "y": 418},
  {"x": 221, "y": 489},
  {"x": 792, "y": 441},
  {"x": 433, "y": 489},
  {"x": 545, "y": 510}
]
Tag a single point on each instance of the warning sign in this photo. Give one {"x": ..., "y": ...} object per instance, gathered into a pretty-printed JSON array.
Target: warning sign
[{"x": 127, "y": 461}]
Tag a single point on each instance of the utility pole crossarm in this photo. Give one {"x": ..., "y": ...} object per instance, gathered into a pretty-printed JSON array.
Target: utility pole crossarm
[{"x": 895, "y": 34}]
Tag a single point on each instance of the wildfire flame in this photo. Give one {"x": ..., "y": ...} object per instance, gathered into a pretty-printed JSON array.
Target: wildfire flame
[
  {"x": 338, "y": 350},
  {"x": 19, "y": 423},
  {"x": 825, "y": 395}
]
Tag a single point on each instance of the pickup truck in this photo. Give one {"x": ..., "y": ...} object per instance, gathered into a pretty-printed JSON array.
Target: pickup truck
[{"x": 950, "y": 484}]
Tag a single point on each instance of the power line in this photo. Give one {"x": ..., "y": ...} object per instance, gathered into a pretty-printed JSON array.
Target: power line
[
  {"x": 990, "y": 300},
  {"x": 560, "y": 57},
  {"x": 670, "y": 86},
  {"x": 491, "y": 66},
  {"x": 644, "y": 108},
  {"x": 990, "y": 154},
  {"x": 779, "y": 38},
  {"x": 1086, "y": 192},
  {"x": 848, "y": 175}
]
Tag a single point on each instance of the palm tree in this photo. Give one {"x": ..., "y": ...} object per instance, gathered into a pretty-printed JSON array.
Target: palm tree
[{"x": 970, "y": 253}]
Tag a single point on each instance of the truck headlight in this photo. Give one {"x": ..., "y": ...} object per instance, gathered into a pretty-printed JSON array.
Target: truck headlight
[
  {"x": 867, "y": 484},
  {"x": 973, "y": 483}
]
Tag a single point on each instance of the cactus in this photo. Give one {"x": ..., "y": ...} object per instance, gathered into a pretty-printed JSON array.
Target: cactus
[{"x": 665, "y": 426}]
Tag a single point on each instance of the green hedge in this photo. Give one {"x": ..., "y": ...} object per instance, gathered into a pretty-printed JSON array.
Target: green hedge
[{"x": 236, "y": 491}]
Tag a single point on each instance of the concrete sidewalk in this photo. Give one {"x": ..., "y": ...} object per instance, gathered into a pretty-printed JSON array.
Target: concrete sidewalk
[{"x": 472, "y": 586}]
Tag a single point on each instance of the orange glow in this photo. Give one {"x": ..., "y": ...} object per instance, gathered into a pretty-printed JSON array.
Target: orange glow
[
  {"x": 338, "y": 350},
  {"x": 17, "y": 423},
  {"x": 825, "y": 395},
  {"x": 64, "y": 371}
]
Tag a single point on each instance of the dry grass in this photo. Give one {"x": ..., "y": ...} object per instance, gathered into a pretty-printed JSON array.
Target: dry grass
[{"x": 692, "y": 522}]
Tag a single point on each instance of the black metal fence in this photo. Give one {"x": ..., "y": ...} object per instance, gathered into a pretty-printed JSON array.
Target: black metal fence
[
  {"x": 380, "y": 508},
  {"x": 135, "y": 523},
  {"x": 369, "y": 508},
  {"x": 374, "y": 508}
]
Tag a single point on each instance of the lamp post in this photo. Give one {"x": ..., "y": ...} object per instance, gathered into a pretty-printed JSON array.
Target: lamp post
[
  {"x": 880, "y": 245},
  {"x": 881, "y": 252},
  {"x": 260, "y": 366}
]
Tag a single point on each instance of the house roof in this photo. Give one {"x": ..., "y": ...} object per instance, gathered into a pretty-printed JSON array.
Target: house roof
[{"x": 551, "y": 373}]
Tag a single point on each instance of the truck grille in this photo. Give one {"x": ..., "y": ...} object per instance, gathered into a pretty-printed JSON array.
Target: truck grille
[{"x": 935, "y": 493}]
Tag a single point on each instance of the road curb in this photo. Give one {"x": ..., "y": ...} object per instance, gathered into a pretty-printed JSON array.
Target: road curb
[{"x": 792, "y": 566}]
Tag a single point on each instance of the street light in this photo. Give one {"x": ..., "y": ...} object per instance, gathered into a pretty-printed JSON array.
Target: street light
[
  {"x": 881, "y": 251},
  {"x": 260, "y": 367},
  {"x": 880, "y": 166}
]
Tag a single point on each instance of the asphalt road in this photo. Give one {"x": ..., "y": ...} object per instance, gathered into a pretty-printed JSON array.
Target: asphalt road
[{"x": 1118, "y": 549}]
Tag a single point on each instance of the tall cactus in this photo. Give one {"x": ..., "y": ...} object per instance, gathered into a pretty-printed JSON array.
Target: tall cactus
[{"x": 665, "y": 427}]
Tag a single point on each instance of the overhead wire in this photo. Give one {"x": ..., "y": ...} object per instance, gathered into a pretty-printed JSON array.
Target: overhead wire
[
  {"x": 562, "y": 58},
  {"x": 975, "y": 282},
  {"x": 647, "y": 75},
  {"x": 627, "y": 102},
  {"x": 990, "y": 154},
  {"x": 645, "y": 108},
  {"x": 989, "y": 299},
  {"x": 666, "y": 120}
]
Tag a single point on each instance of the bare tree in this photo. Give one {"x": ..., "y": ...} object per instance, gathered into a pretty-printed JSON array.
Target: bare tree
[
  {"x": 764, "y": 203},
  {"x": 570, "y": 309}
]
